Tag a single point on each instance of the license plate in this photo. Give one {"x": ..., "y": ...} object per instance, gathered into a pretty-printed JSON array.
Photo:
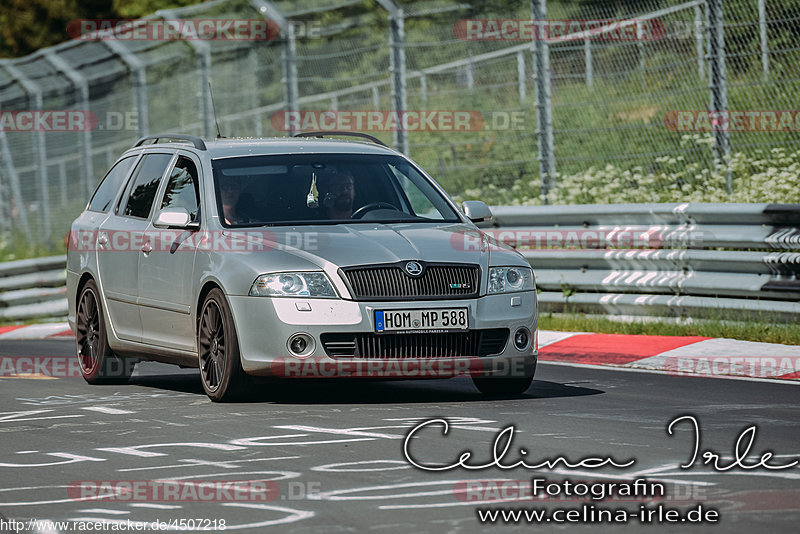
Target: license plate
[{"x": 441, "y": 319}]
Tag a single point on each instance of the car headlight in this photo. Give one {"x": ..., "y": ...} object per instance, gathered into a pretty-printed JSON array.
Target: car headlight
[
  {"x": 316, "y": 285},
  {"x": 510, "y": 279}
]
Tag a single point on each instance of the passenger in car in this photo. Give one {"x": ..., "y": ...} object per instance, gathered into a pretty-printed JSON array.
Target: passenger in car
[{"x": 230, "y": 189}]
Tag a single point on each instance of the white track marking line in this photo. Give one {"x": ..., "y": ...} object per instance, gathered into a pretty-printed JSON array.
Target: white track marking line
[
  {"x": 192, "y": 463},
  {"x": 342, "y": 431},
  {"x": 104, "y": 409},
  {"x": 338, "y": 467},
  {"x": 136, "y": 449},
  {"x": 156, "y": 506}
]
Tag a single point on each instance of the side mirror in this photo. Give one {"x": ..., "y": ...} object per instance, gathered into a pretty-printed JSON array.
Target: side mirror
[
  {"x": 175, "y": 218},
  {"x": 476, "y": 211}
]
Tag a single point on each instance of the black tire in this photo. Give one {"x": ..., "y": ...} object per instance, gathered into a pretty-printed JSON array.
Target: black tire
[
  {"x": 504, "y": 386},
  {"x": 98, "y": 363},
  {"x": 218, "y": 351}
]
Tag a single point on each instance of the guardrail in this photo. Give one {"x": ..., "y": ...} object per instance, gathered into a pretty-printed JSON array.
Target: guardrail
[
  {"x": 725, "y": 261},
  {"x": 33, "y": 288}
]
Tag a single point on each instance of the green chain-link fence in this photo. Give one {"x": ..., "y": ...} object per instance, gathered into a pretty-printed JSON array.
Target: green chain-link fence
[{"x": 614, "y": 101}]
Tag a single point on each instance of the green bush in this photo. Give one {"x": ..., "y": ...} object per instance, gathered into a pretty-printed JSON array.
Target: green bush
[{"x": 770, "y": 176}]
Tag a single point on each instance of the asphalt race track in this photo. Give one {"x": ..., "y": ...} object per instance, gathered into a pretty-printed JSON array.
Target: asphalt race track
[{"x": 319, "y": 456}]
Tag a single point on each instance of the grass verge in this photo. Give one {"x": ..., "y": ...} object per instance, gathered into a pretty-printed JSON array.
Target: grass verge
[{"x": 787, "y": 334}]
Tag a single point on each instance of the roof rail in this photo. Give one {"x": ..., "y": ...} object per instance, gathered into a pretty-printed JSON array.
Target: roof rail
[
  {"x": 198, "y": 143},
  {"x": 347, "y": 134}
]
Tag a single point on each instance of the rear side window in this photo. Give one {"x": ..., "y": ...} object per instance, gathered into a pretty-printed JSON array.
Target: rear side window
[
  {"x": 109, "y": 186},
  {"x": 146, "y": 178}
]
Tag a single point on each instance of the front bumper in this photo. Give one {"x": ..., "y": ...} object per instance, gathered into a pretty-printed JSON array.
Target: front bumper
[{"x": 265, "y": 325}]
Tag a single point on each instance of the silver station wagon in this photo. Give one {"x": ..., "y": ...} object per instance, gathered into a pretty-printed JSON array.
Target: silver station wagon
[{"x": 298, "y": 257}]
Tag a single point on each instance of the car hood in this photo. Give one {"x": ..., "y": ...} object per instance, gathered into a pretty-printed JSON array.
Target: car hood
[{"x": 346, "y": 245}]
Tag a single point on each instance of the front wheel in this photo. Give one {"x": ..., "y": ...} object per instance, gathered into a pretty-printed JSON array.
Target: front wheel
[
  {"x": 98, "y": 363},
  {"x": 218, "y": 351}
]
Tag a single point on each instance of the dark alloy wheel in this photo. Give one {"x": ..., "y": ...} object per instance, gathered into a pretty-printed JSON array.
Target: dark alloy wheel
[
  {"x": 218, "y": 351},
  {"x": 98, "y": 363}
]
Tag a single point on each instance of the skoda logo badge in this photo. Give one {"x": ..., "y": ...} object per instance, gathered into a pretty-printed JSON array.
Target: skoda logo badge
[{"x": 414, "y": 268}]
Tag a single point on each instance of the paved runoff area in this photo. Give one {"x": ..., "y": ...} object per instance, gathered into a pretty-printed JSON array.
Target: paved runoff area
[{"x": 617, "y": 433}]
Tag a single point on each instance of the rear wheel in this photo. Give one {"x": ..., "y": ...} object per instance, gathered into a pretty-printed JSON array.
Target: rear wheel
[
  {"x": 98, "y": 363},
  {"x": 218, "y": 351}
]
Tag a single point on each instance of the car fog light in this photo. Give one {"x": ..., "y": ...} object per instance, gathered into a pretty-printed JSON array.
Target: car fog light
[
  {"x": 298, "y": 345},
  {"x": 521, "y": 338},
  {"x": 301, "y": 344}
]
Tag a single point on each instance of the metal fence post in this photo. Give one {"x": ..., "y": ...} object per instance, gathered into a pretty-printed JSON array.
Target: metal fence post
[
  {"x": 139, "y": 72},
  {"x": 82, "y": 86},
  {"x": 397, "y": 66},
  {"x": 698, "y": 41},
  {"x": 110, "y": 158},
  {"x": 5, "y": 211},
  {"x": 587, "y": 49},
  {"x": 544, "y": 110},
  {"x": 252, "y": 60},
  {"x": 34, "y": 93},
  {"x": 521, "y": 76},
  {"x": 640, "y": 46},
  {"x": 13, "y": 178},
  {"x": 718, "y": 82},
  {"x": 203, "y": 52},
  {"x": 376, "y": 98},
  {"x": 762, "y": 22},
  {"x": 288, "y": 56},
  {"x": 290, "y": 71},
  {"x": 204, "y": 60},
  {"x": 62, "y": 180},
  {"x": 423, "y": 88},
  {"x": 470, "y": 72}
]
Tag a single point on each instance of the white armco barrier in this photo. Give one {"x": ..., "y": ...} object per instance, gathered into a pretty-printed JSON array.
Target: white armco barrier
[{"x": 723, "y": 261}]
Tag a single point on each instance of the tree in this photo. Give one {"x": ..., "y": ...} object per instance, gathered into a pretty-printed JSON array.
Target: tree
[{"x": 28, "y": 25}]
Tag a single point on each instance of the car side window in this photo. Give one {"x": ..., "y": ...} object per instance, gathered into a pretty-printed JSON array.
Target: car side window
[
  {"x": 183, "y": 188},
  {"x": 420, "y": 198},
  {"x": 109, "y": 186},
  {"x": 146, "y": 178}
]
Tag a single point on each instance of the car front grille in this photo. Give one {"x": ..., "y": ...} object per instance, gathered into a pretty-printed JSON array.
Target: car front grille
[
  {"x": 423, "y": 345},
  {"x": 437, "y": 281}
]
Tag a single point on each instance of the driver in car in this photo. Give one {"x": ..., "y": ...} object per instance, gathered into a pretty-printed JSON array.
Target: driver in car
[{"x": 337, "y": 192}]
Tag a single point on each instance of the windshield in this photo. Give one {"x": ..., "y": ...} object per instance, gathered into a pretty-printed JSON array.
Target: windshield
[{"x": 325, "y": 188}]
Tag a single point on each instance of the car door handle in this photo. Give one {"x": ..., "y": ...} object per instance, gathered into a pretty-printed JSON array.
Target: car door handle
[
  {"x": 147, "y": 248},
  {"x": 102, "y": 240}
]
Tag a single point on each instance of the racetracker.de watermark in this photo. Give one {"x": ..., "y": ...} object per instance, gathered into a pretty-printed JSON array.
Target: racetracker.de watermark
[
  {"x": 211, "y": 29},
  {"x": 548, "y": 490},
  {"x": 558, "y": 30},
  {"x": 174, "y": 490},
  {"x": 422, "y": 367},
  {"x": 754, "y": 120},
  {"x": 188, "y": 241},
  {"x": 67, "y": 120},
  {"x": 751, "y": 366},
  {"x": 424, "y": 120},
  {"x": 44, "y": 367},
  {"x": 378, "y": 120},
  {"x": 621, "y": 238},
  {"x": 48, "y": 120}
]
